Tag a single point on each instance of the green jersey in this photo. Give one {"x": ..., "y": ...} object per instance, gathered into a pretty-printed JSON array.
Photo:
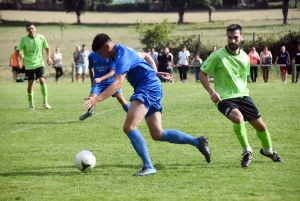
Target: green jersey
[
  {"x": 230, "y": 73},
  {"x": 33, "y": 51}
]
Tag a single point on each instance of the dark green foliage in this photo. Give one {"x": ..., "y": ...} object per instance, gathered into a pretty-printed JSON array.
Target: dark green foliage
[{"x": 79, "y": 7}]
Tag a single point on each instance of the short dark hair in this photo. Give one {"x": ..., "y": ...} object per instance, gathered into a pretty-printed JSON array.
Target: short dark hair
[
  {"x": 234, "y": 27},
  {"x": 99, "y": 41},
  {"x": 29, "y": 24}
]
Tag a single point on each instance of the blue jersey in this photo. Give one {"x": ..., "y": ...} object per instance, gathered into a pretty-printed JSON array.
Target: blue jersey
[
  {"x": 139, "y": 73},
  {"x": 101, "y": 67}
]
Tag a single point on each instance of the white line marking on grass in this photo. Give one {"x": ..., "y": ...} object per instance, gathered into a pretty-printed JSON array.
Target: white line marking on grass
[{"x": 58, "y": 121}]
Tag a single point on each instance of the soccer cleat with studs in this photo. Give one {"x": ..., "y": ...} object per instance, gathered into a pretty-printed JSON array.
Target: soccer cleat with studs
[
  {"x": 204, "y": 148},
  {"x": 246, "y": 160},
  {"x": 275, "y": 157},
  {"x": 145, "y": 171}
]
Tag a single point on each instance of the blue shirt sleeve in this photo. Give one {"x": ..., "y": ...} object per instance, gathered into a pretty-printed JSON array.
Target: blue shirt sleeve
[{"x": 90, "y": 61}]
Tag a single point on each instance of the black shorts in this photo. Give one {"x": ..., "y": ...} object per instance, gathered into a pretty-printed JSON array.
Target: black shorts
[
  {"x": 244, "y": 104},
  {"x": 15, "y": 69},
  {"x": 298, "y": 68},
  {"x": 35, "y": 73}
]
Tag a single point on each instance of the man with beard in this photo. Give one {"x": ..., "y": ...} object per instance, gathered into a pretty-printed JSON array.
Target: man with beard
[
  {"x": 230, "y": 67},
  {"x": 32, "y": 46}
]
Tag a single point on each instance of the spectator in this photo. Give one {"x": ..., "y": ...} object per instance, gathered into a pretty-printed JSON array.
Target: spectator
[
  {"x": 82, "y": 63},
  {"x": 76, "y": 57},
  {"x": 171, "y": 63},
  {"x": 283, "y": 57},
  {"x": 183, "y": 63},
  {"x": 296, "y": 60},
  {"x": 33, "y": 45},
  {"x": 265, "y": 63},
  {"x": 197, "y": 62},
  {"x": 254, "y": 59},
  {"x": 154, "y": 55},
  {"x": 57, "y": 58},
  {"x": 163, "y": 61},
  {"x": 14, "y": 64}
]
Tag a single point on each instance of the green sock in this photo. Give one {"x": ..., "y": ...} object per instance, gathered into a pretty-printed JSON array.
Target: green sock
[
  {"x": 240, "y": 132},
  {"x": 265, "y": 139},
  {"x": 44, "y": 93},
  {"x": 30, "y": 98}
]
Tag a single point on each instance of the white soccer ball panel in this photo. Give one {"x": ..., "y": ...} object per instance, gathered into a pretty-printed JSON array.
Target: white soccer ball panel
[{"x": 85, "y": 160}]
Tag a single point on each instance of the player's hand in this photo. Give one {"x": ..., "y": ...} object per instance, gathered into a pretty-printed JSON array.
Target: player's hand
[
  {"x": 90, "y": 103},
  {"x": 49, "y": 61},
  {"x": 97, "y": 80},
  {"x": 163, "y": 75},
  {"x": 215, "y": 97}
]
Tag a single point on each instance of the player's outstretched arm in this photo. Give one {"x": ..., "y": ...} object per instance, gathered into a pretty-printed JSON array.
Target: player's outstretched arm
[
  {"x": 148, "y": 59},
  {"x": 49, "y": 60},
  {"x": 109, "y": 91},
  {"x": 214, "y": 96},
  {"x": 105, "y": 77}
]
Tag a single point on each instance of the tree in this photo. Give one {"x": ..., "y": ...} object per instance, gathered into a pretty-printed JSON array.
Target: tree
[
  {"x": 285, "y": 10},
  {"x": 77, "y": 6},
  {"x": 296, "y": 4},
  {"x": 182, "y": 5}
]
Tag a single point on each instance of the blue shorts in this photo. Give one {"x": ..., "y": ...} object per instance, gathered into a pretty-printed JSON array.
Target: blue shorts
[
  {"x": 99, "y": 88},
  {"x": 150, "y": 97}
]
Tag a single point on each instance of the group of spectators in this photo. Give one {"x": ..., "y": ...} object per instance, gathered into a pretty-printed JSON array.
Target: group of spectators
[
  {"x": 264, "y": 60},
  {"x": 164, "y": 61}
]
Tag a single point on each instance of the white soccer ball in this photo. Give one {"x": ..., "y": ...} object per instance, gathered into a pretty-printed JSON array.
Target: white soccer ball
[{"x": 85, "y": 161}]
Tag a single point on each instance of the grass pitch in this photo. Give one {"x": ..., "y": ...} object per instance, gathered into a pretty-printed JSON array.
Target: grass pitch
[{"x": 38, "y": 147}]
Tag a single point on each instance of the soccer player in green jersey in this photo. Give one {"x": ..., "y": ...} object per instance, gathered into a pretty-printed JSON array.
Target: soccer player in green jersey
[
  {"x": 230, "y": 67},
  {"x": 32, "y": 46}
]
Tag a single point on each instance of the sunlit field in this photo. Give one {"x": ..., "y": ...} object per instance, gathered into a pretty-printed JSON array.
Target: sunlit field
[{"x": 38, "y": 147}]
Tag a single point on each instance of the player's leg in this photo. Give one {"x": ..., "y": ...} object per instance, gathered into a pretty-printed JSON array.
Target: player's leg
[
  {"x": 230, "y": 109},
  {"x": 39, "y": 73},
  {"x": 174, "y": 136},
  {"x": 119, "y": 96},
  {"x": 30, "y": 91},
  {"x": 134, "y": 116}
]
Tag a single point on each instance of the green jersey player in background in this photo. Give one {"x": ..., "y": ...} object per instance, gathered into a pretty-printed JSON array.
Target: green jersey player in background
[
  {"x": 230, "y": 67},
  {"x": 32, "y": 46}
]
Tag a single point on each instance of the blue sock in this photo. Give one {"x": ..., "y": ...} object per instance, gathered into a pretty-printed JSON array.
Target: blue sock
[
  {"x": 178, "y": 137},
  {"x": 90, "y": 111},
  {"x": 140, "y": 147},
  {"x": 126, "y": 107}
]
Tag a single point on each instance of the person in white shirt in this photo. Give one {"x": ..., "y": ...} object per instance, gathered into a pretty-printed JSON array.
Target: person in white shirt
[
  {"x": 57, "y": 58},
  {"x": 183, "y": 63}
]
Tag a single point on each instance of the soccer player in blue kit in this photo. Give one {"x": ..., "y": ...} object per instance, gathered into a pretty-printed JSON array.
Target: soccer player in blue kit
[
  {"x": 101, "y": 72},
  {"x": 145, "y": 101}
]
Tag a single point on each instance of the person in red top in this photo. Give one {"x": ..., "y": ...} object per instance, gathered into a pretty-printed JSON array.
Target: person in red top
[
  {"x": 254, "y": 59},
  {"x": 14, "y": 63}
]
